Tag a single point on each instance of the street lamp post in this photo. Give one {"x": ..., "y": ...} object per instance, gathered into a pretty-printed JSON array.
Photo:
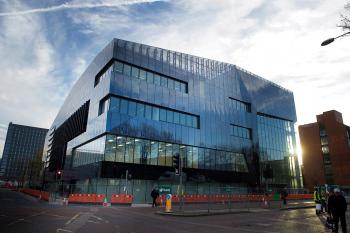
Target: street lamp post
[{"x": 330, "y": 40}]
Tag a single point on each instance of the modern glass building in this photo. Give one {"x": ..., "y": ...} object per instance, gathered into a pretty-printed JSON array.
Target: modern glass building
[
  {"x": 136, "y": 106},
  {"x": 23, "y": 144}
]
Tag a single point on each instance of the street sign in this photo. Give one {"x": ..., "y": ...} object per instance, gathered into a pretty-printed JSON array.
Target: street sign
[{"x": 164, "y": 189}]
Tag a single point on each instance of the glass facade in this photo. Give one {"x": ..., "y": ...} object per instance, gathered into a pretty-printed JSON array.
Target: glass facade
[
  {"x": 240, "y": 105},
  {"x": 122, "y": 149},
  {"x": 242, "y": 132},
  {"x": 148, "y": 103},
  {"x": 277, "y": 148},
  {"x": 151, "y": 112},
  {"x": 148, "y": 76}
]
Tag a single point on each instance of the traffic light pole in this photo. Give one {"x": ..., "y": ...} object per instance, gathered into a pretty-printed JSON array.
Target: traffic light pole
[{"x": 181, "y": 191}]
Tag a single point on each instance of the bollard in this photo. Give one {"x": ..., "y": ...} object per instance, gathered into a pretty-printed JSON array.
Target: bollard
[
  {"x": 168, "y": 203},
  {"x": 105, "y": 202}
]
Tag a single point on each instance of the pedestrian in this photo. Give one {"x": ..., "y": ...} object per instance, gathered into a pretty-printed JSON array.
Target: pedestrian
[
  {"x": 154, "y": 195},
  {"x": 323, "y": 201},
  {"x": 337, "y": 206},
  {"x": 330, "y": 223},
  {"x": 284, "y": 195},
  {"x": 317, "y": 200}
]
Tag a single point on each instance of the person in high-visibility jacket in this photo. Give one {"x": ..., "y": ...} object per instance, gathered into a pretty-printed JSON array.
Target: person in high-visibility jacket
[
  {"x": 323, "y": 201},
  {"x": 317, "y": 199}
]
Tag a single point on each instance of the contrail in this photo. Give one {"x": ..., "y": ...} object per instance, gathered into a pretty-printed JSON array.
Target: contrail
[{"x": 67, "y": 6}]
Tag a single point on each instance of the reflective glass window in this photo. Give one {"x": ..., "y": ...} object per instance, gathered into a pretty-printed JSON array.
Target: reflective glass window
[
  {"x": 110, "y": 149},
  {"x": 127, "y": 70},
  {"x": 103, "y": 106},
  {"x": 195, "y": 157},
  {"x": 201, "y": 163},
  {"x": 120, "y": 149},
  {"x": 134, "y": 72},
  {"x": 162, "y": 114},
  {"x": 132, "y": 108},
  {"x": 155, "y": 114},
  {"x": 233, "y": 161},
  {"x": 115, "y": 104},
  {"x": 157, "y": 79},
  {"x": 182, "y": 151},
  {"x": 183, "y": 118},
  {"x": 150, "y": 77},
  {"x": 148, "y": 112},
  {"x": 169, "y": 154},
  {"x": 325, "y": 149},
  {"x": 189, "y": 157},
  {"x": 194, "y": 122},
  {"x": 212, "y": 159},
  {"x": 177, "y": 86},
  {"x": 145, "y": 151},
  {"x": 183, "y": 88},
  {"x": 154, "y": 153},
  {"x": 137, "y": 151},
  {"x": 140, "y": 110},
  {"x": 161, "y": 154},
  {"x": 171, "y": 84},
  {"x": 170, "y": 116},
  {"x": 163, "y": 81},
  {"x": 123, "y": 106},
  {"x": 207, "y": 160},
  {"x": 142, "y": 74},
  {"x": 176, "y": 118},
  {"x": 129, "y": 150},
  {"x": 118, "y": 67},
  {"x": 189, "y": 120}
]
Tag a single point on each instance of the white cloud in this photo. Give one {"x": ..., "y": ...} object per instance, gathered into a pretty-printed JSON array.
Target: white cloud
[
  {"x": 278, "y": 40},
  {"x": 30, "y": 93},
  {"x": 76, "y": 5}
]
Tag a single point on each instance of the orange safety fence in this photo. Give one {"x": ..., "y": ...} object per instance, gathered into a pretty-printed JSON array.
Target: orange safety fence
[
  {"x": 122, "y": 199},
  {"x": 35, "y": 193},
  {"x": 226, "y": 198},
  {"x": 86, "y": 198},
  {"x": 299, "y": 196}
]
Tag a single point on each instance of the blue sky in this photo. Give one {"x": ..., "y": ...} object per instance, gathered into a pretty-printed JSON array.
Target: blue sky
[{"x": 46, "y": 45}]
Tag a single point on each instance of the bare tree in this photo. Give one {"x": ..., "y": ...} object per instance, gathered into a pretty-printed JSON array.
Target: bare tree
[{"x": 345, "y": 18}]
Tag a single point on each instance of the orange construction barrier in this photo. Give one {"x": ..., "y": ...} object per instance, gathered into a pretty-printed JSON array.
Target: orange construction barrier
[
  {"x": 122, "y": 199},
  {"x": 86, "y": 198}
]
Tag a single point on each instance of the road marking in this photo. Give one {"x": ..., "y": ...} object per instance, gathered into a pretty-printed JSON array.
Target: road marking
[
  {"x": 94, "y": 222},
  {"x": 100, "y": 219},
  {"x": 22, "y": 219},
  {"x": 57, "y": 216},
  {"x": 72, "y": 219},
  {"x": 263, "y": 224},
  {"x": 64, "y": 230}
]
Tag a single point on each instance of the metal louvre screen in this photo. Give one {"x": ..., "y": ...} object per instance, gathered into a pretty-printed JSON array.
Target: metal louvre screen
[{"x": 71, "y": 128}]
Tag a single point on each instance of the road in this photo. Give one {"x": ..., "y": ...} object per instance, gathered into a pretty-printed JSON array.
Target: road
[{"x": 22, "y": 213}]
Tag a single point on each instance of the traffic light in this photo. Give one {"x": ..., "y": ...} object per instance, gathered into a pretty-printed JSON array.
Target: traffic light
[
  {"x": 177, "y": 164},
  {"x": 59, "y": 174}
]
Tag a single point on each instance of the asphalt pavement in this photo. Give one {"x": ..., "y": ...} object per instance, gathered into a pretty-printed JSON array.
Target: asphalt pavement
[{"x": 22, "y": 213}]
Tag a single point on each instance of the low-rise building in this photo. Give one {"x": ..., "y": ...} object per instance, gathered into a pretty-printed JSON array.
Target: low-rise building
[{"x": 326, "y": 151}]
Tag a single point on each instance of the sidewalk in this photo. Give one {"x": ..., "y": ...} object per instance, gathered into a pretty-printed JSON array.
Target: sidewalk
[{"x": 204, "y": 209}]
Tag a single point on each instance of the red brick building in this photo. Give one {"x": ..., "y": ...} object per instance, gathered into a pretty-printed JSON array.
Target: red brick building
[{"x": 326, "y": 151}]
